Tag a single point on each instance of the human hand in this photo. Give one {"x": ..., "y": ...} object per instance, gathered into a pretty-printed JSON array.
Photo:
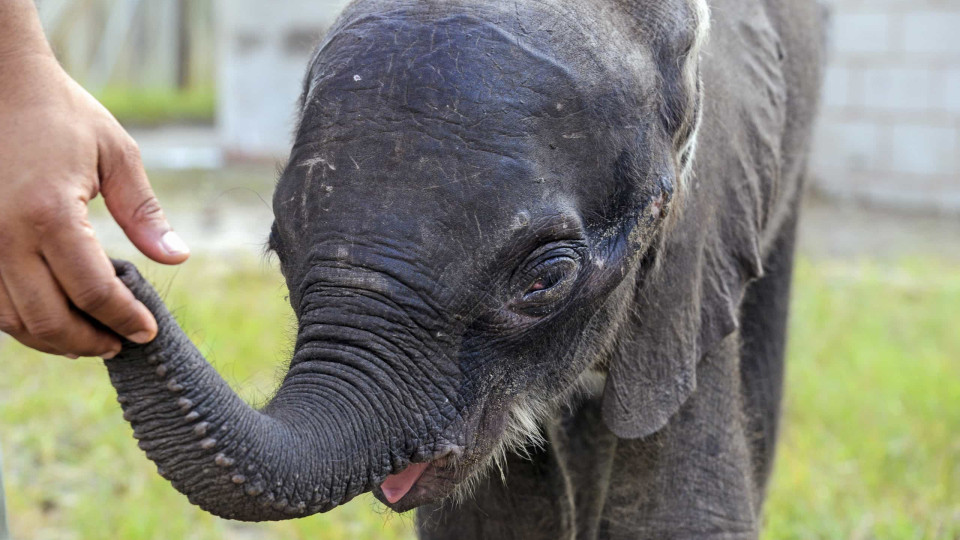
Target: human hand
[{"x": 60, "y": 148}]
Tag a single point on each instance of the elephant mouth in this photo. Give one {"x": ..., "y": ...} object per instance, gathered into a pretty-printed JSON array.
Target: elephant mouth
[
  {"x": 424, "y": 482},
  {"x": 432, "y": 479}
]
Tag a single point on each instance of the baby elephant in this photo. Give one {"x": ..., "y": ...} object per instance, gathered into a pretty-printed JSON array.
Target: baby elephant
[{"x": 540, "y": 256}]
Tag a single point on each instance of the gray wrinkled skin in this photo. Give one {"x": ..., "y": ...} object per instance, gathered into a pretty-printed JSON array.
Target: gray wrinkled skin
[{"x": 550, "y": 218}]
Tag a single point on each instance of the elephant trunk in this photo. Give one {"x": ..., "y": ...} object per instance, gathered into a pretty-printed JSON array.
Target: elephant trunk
[{"x": 315, "y": 446}]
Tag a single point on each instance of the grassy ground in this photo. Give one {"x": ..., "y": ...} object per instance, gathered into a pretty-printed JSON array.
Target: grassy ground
[
  {"x": 870, "y": 449},
  {"x": 147, "y": 107}
]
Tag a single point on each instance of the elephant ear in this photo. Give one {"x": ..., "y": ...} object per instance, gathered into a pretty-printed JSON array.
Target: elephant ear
[{"x": 710, "y": 248}]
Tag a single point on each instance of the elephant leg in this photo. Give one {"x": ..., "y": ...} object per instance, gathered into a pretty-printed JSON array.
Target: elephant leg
[
  {"x": 763, "y": 331},
  {"x": 534, "y": 503},
  {"x": 586, "y": 449}
]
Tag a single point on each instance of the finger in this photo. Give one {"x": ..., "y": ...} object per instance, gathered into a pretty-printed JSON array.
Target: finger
[
  {"x": 45, "y": 313},
  {"x": 90, "y": 281},
  {"x": 11, "y": 324},
  {"x": 131, "y": 201}
]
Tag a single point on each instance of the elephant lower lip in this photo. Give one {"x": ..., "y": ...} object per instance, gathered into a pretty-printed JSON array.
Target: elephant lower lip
[
  {"x": 424, "y": 483},
  {"x": 396, "y": 486}
]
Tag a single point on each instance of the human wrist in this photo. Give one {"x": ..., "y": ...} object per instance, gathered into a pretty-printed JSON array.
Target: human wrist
[
  {"x": 30, "y": 79},
  {"x": 21, "y": 35}
]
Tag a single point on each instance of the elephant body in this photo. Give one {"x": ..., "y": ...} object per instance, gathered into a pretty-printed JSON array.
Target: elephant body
[
  {"x": 704, "y": 474},
  {"x": 556, "y": 221}
]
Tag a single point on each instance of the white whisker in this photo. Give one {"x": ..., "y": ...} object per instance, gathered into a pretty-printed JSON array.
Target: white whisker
[{"x": 524, "y": 431}]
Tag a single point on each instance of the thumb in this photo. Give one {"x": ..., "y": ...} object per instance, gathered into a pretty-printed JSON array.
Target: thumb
[{"x": 130, "y": 199}]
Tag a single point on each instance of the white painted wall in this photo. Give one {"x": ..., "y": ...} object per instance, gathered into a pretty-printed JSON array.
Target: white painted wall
[{"x": 263, "y": 50}]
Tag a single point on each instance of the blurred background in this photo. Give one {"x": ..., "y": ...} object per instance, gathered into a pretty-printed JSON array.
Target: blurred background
[{"x": 871, "y": 440}]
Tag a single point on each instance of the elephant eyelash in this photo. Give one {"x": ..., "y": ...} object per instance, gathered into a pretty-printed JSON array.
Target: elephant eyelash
[
  {"x": 540, "y": 258},
  {"x": 273, "y": 241}
]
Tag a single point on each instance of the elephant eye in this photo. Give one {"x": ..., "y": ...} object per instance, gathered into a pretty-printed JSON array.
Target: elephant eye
[
  {"x": 548, "y": 281},
  {"x": 553, "y": 275}
]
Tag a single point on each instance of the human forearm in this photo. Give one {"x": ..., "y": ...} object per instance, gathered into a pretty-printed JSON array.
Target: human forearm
[{"x": 21, "y": 34}]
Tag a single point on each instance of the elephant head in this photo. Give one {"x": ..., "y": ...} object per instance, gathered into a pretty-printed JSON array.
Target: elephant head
[{"x": 473, "y": 215}]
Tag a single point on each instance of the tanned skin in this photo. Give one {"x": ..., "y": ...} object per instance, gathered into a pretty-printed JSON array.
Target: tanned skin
[{"x": 59, "y": 149}]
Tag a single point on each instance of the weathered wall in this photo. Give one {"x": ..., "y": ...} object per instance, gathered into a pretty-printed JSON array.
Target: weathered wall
[{"x": 889, "y": 132}]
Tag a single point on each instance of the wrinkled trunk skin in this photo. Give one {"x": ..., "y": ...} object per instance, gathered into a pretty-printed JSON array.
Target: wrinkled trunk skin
[{"x": 306, "y": 452}]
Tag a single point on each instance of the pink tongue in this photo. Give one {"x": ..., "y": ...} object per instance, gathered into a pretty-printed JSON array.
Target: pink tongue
[{"x": 398, "y": 485}]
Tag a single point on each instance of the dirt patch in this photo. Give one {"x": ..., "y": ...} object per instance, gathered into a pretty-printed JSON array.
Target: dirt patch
[{"x": 850, "y": 230}]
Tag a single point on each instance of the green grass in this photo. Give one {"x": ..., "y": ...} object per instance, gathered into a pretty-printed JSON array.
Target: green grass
[
  {"x": 147, "y": 107},
  {"x": 870, "y": 448}
]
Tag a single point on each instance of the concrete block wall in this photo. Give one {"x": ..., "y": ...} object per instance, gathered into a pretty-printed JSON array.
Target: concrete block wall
[{"x": 889, "y": 130}]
